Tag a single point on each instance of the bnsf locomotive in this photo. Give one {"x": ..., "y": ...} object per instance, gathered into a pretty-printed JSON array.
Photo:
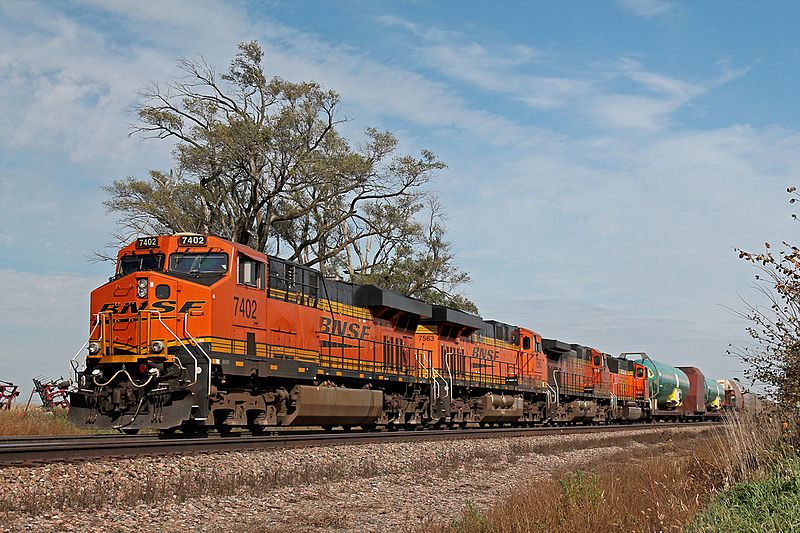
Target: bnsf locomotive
[{"x": 196, "y": 332}]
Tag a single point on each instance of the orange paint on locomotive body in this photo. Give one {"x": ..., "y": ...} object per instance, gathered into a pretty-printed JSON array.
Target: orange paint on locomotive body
[
  {"x": 622, "y": 385},
  {"x": 238, "y": 313},
  {"x": 577, "y": 375},
  {"x": 473, "y": 356},
  {"x": 630, "y": 384},
  {"x": 640, "y": 387}
]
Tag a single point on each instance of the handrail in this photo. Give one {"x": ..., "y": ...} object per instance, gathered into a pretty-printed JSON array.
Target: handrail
[
  {"x": 555, "y": 380},
  {"x": 85, "y": 345},
  {"x": 552, "y": 391},
  {"x": 186, "y": 330},
  {"x": 446, "y": 356},
  {"x": 196, "y": 364}
]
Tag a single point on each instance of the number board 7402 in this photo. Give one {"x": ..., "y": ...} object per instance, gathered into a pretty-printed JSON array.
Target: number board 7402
[
  {"x": 192, "y": 240},
  {"x": 147, "y": 242}
]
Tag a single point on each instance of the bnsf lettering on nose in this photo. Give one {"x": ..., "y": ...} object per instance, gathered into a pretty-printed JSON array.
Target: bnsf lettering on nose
[{"x": 343, "y": 328}]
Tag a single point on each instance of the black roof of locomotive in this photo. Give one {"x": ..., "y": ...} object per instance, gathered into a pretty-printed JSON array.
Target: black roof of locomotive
[
  {"x": 495, "y": 329},
  {"x": 344, "y": 292},
  {"x": 454, "y": 316},
  {"x": 371, "y": 296}
]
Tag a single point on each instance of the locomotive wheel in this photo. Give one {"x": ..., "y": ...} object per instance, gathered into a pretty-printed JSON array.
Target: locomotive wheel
[
  {"x": 130, "y": 431},
  {"x": 194, "y": 430},
  {"x": 327, "y": 428}
]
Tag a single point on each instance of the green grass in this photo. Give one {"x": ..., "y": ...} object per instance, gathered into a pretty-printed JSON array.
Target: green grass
[{"x": 769, "y": 504}]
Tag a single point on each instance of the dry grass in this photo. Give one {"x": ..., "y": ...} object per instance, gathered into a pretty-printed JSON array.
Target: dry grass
[
  {"x": 751, "y": 442},
  {"x": 623, "y": 494},
  {"x": 644, "y": 494},
  {"x": 36, "y": 421}
]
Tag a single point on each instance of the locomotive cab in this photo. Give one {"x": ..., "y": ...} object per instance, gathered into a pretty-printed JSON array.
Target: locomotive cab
[{"x": 147, "y": 363}]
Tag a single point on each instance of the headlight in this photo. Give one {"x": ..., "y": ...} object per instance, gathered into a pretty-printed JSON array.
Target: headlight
[
  {"x": 94, "y": 348},
  {"x": 156, "y": 346},
  {"x": 141, "y": 288}
]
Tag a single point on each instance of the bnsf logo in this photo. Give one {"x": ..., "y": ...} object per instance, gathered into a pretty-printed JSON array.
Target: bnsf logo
[
  {"x": 485, "y": 353},
  {"x": 163, "y": 306},
  {"x": 342, "y": 328}
]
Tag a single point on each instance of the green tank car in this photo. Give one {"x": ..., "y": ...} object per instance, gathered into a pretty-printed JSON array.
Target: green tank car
[
  {"x": 668, "y": 385},
  {"x": 715, "y": 395}
]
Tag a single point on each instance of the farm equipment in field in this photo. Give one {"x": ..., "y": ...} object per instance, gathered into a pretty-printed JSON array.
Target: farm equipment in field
[
  {"x": 8, "y": 391},
  {"x": 53, "y": 393}
]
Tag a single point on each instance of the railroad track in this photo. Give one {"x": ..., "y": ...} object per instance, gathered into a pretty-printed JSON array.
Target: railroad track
[{"x": 17, "y": 450}]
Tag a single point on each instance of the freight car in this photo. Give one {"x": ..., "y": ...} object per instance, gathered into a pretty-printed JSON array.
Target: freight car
[
  {"x": 196, "y": 332},
  {"x": 681, "y": 393}
]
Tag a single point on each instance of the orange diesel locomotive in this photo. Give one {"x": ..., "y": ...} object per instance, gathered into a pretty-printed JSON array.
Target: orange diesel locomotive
[{"x": 196, "y": 332}]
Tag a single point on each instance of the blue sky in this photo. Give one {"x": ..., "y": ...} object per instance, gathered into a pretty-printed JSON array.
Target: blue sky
[{"x": 605, "y": 158}]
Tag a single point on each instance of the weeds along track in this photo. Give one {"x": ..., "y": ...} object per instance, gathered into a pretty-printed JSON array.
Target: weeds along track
[{"x": 20, "y": 450}]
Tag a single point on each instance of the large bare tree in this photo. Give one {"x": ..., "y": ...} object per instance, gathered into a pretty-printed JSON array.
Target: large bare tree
[{"x": 260, "y": 161}]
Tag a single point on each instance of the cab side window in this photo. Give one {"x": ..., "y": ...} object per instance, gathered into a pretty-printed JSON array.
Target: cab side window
[
  {"x": 526, "y": 343},
  {"x": 251, "y": 272}
]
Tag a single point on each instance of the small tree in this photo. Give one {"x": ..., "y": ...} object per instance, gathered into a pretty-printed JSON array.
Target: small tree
[
  {"x": 775, "y": 358},
  {"x": 426, "y": 272},
  {"x": 260, "y": 161}
]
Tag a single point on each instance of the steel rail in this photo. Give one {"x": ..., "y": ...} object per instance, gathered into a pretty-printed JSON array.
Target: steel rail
[{"x": 93, "y": 447}]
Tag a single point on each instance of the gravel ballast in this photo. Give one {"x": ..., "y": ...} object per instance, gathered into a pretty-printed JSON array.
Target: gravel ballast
[{"x": 361, "y": 487}]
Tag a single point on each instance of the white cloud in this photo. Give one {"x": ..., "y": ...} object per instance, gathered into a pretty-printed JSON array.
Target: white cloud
[
  {"x": 44, "y": 300},
  {"x": 621, "y": 94},
  {"x": 419, "y": 30},
  {"x": 71, "y": 86},
  {"x": 663, "y": 96},
  {"x": 647, "y": 9},
  {"x": 495, "y": 71},
  {"x": 75, "y": 85},
  {"x": 646, "y": 224}
]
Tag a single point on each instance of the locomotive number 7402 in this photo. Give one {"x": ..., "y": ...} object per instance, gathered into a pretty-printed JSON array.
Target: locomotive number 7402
[{"x": 245, "y": 307}]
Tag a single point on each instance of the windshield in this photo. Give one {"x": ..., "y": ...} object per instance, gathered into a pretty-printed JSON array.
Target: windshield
[
  {"x": 135, "y": 263},
  {"x": 205, "y": 263}
]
